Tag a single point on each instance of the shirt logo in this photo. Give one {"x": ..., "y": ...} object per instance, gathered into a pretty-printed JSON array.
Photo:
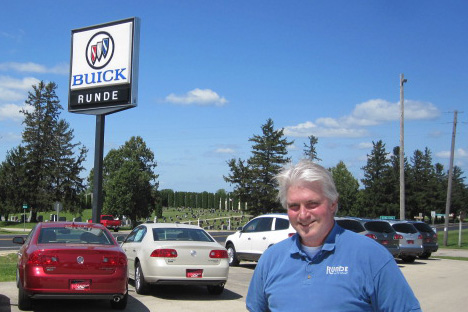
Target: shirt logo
[{"x": 333, "y": 270}]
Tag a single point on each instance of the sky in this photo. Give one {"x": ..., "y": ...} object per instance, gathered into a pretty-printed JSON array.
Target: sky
[{"x": 211, "y": 73}]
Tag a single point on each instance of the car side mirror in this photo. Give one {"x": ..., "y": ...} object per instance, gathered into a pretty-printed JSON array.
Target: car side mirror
[
  {"x": 120, "y": 239},
  {"x": 240, "y": 228},
  {"x": 18, "y": 240}
]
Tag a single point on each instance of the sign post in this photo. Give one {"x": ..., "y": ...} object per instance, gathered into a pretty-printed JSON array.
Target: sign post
[
  {"x": 103, "y": 80},
  {"x": 25, "y": 206}
]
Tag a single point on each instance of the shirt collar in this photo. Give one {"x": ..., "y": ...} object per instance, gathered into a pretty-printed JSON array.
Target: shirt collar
[{"x": 328, "y": 245}]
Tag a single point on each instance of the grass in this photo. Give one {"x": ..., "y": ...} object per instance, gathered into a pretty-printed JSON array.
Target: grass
[
  {"x": 452, "y": 239},
  {"x": 176, "y": 214},
  {"x": 8, "y": 267}
]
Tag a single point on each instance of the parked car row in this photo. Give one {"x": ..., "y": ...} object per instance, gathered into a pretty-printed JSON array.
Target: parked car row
[
  {"x": 403, "y": 239},
  {"x": 69, "y": 260}
]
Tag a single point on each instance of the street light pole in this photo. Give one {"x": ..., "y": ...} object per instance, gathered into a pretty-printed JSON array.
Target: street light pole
[{"x": 402, "y": 148}]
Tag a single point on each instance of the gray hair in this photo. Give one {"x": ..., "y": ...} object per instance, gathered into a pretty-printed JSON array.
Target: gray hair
[{"x": 305, "y": 171}]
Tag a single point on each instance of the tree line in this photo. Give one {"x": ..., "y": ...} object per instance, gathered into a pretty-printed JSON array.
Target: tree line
[{"x": 47, "y": 167}]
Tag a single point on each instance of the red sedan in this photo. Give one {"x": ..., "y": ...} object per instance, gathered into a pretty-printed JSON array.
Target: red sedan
[{"x": 68, "y": 260}]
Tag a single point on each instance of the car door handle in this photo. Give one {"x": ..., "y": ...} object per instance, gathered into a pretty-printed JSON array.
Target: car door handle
[
  {"x": 248, "y": 238},
  {"x": 264, "y": 238}
]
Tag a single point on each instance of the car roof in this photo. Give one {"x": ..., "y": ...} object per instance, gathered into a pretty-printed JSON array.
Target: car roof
[
  {"x": 278, "y": 214},
  {"x": 170, "y": 225},
  {"x": 69, "y": 223}
]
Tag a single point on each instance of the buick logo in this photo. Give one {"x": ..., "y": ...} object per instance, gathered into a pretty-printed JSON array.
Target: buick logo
[
  {"x": 193, "y": 253},
  {"x": 80, "y": 260},
  {"x": 100, "y": 50}
]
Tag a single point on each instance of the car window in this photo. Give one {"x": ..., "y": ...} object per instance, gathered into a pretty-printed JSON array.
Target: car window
[
  {"x": 107, "y": 218},
  {"x": 181, "y": 234},
  {"x": 423, "y": 227},
  {"x": 74, "y": 235},
  {"x": 251, "y": 226},
  {"x": 351, "y": 225},
  {"x": 140, "y": 234},
  {"x": 281, "y": 224},
  {"x": 131, "y": 237},
  {"x": 379, "y": 226},
  {"x": 404, "y": 228}
]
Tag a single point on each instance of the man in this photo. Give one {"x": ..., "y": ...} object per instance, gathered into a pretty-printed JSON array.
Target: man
[{"x": 324, "y": 267}]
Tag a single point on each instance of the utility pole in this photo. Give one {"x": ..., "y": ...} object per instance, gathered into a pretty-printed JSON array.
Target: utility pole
[
  {"x": 402, "y": 148},
  {"x": 449, "y": 187}
]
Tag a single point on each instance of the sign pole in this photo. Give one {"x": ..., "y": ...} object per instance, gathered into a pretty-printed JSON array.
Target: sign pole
[{"x": 98, "y": 161}]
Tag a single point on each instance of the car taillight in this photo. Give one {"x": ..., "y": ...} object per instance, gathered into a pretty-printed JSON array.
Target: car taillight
[
  {"x": 219, "y": 254},
  {"x": 114, "y": 260},
  {"x": 371, "y": 236},
  {"x": 397, "y": 236},
  {"x": 420, "y": 236},
  {"x": 38, "y": 259},
  {"x": 164, "y": 253},
  {"x": 291, "y": 234}
]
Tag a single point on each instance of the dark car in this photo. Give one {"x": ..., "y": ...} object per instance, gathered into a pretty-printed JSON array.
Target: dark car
[
  {"x": 410, "y": 240},
  {"x": 68, "y": 260},
  {"x": 430, "y": 240},
  {"x": 383, "y": 233},
  {"x": 379, "y": 231}
]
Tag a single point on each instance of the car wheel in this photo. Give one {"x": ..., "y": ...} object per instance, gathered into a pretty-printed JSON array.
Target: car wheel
[
  {"x": 216, "y": 289},
  {"x": 232, "y": 255},
  {"x": 425, "y": 255},
  {"x": 24, "y": 302},
  {"x": 141, "y": 286},
  {"x": 408, "y": 259},
  {"x": 121, "y": 304}
]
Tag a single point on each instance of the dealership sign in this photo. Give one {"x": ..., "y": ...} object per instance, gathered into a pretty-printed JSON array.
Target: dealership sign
[{"x": 104, "y": 67}]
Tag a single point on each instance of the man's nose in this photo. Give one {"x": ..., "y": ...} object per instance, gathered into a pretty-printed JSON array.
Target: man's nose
[{"x": 303, "y": 212}]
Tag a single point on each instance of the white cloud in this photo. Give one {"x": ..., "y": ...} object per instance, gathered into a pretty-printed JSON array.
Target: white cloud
[
  {"x": 366, "y": 114},
  {"x": 365, "y": 145},
  {"x": 61, "y": 69},
  {"x": 225, "y": 151},
  {"x": 308, "y": 128},
  {"x": 205, "y": 97},
  {"x": 12, "y": 89},
  {"x": 12, "y": 111},
  {"x": 458, "y": 153}
]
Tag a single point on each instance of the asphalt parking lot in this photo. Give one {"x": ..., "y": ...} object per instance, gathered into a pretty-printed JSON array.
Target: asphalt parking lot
[{"x": 439, "y": 284}]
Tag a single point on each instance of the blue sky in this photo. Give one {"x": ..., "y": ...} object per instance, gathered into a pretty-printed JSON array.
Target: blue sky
[{"x": 213, "y": 72}]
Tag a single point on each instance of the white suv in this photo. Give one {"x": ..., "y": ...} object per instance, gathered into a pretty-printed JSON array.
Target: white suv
[{"x": 249, "y": 242}]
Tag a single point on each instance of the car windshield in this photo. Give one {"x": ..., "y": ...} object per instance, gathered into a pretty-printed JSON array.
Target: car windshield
[
  {"x": 74, "y": 235},
  {"x": 405, "y": 228},
  {"x": 351, "y": 225},
  {"x": 181, "y": 234},
  {"x": 379, "y": 226},
  {"x": 423, "y": 227}
]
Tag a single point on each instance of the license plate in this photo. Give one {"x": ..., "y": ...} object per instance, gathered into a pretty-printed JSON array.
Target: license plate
[
  {"x": 80, "y": 285},
  {"x": 411, "y": 242},
  {"x": 194, "y": 273}
]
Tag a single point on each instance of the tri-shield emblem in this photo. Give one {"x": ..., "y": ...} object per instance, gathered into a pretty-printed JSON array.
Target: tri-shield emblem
[{"x": 99, "y": 50}]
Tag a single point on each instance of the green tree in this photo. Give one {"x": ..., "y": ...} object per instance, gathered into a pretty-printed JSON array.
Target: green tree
[
  {"x": 254, "y": 179},
  {"x": 129, "y": 182},
  {"x": 422, "y": 183},
  {"x": 13, "y": 177},
  {"x": 348, "y": 187},
  {"x": 52, "y": 168},
  {"x": 309, "y": 150},
  {"x": 374, "y": 198}
]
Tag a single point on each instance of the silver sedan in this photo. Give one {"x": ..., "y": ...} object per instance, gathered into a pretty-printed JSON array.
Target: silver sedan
[{"x": 177, "y": 254}]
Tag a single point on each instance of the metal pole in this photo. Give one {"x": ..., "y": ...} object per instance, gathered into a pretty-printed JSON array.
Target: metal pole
[
  {"x": 449, "y": 187},
  {"x": 98, "y": 160},
  {"x": 402, "y": 149}
]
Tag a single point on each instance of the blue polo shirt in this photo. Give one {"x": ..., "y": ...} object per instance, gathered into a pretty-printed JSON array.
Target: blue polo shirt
[{"x": 351, "y": 273}]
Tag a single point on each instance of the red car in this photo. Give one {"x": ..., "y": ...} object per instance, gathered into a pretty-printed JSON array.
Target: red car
[{"x": 68, "y": 260}]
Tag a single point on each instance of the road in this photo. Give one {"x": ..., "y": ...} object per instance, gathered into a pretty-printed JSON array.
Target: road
[{"x": 439, "y": 284}]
